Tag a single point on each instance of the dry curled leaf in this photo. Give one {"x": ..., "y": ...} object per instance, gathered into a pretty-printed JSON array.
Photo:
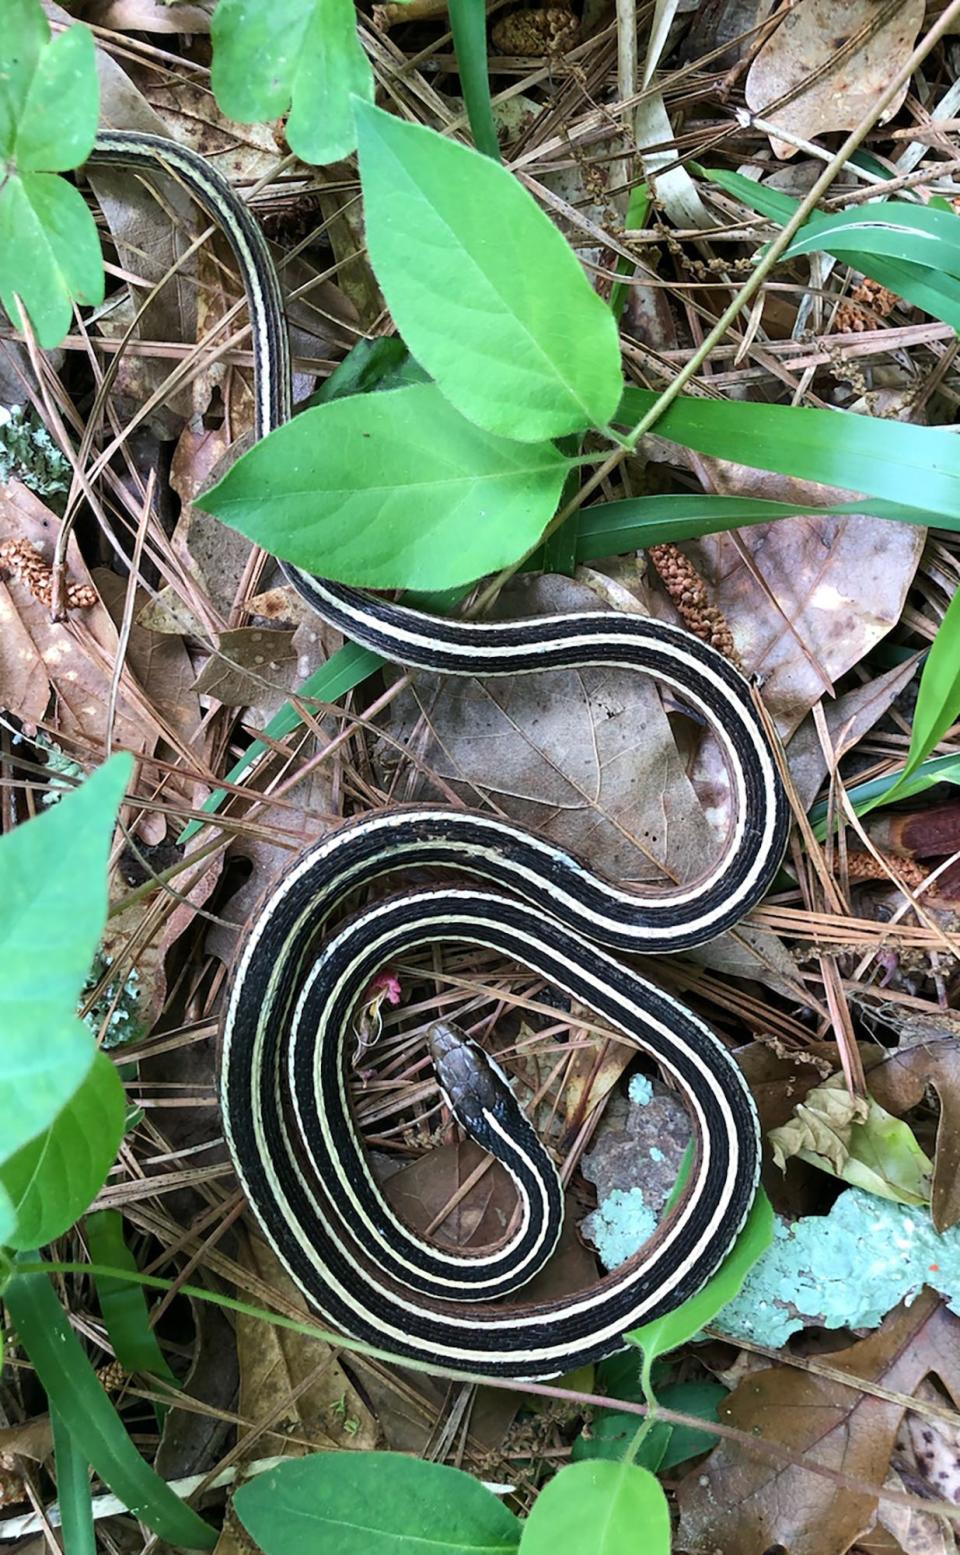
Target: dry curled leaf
[
  {"x": 809, "y": 40},
  {"x": 857, "y": 1140},
  {"x": 928, "y": 1055},
  {"x": 742, "y": 1502}
]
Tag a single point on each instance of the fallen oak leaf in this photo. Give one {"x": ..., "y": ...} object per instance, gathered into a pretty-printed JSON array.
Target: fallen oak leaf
[{"x": 741, "y": 1503}]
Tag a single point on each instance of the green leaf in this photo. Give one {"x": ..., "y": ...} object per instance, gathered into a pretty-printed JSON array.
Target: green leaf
[
  {"x": 59, "y": 118},
  {"x": 391, "y": 490},
  {"x": 75, "y": 1392},
  {"x": 666, "y": 1445},
  {"x": 49, "y": 253},
  {"x": 26, "y": 33},
  {"x": 53, "y": 1178},
  {"x": 938, "y": 699},
  {"x": 122, "y": 1302},
  {"x": 304, "y": 52},
  {"x": 49, "y": 102},
  {"x": 52, "y": 911},
  {"x": 73, "y": 1490},
  {"x": 483, "y": 288},
  {"x": 866, "y": 796},
  {"x": 599, "y": 1508},
  {"x": 675, "y": 1328},
  {"x": 8, "y": 1221},
  {"x": 357, "y": 1503},
  {"x": 889, "y": 459}
]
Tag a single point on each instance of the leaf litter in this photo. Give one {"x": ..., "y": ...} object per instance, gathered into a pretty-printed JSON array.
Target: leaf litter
[{"x": 830, "y": 612}]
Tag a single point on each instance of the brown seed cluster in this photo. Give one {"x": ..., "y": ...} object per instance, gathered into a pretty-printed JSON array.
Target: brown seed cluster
[
  {"x": 863, "y": 866},
  {"x": 688, "y": 591},
  {"x": 28, "y": 566},
  {"x": 535, "y": 31},
  {"x": 868, "y": 302},
  {"x": 112, "y": 1376}
]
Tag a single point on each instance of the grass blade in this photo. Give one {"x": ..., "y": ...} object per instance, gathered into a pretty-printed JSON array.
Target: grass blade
[
  {"x": 73, "y": 1490},
  {"x": 75, "y": 1393}
]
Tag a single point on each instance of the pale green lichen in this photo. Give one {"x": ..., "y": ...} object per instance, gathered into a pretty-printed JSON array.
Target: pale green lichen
[
  {"x": 619, "y": 1225},
  {"x": 116, "y": 1015},
  {"x": 640, "y": 1090},
  {"x": 29, "y": 454},
  {"x": 847, "y": 1269}
]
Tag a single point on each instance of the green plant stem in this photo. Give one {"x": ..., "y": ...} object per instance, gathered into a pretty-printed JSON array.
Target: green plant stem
[
  {"x": 774, "y": 1451},
  {"x": 468, "y": 22}
]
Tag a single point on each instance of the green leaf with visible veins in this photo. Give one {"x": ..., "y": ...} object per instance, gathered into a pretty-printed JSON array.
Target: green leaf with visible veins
[
  {"x": 391, "y": 490},
  {"x": 49, "y": 101},
  {"x": 304, "y": 55},
  {"x": 486, "y": 292},
  {"x": 373, "y": 1503},
  {"x": 52, "y": 1179},
  {"x": 599, "y": 1508},
  {"x": 52, "y": 910}
]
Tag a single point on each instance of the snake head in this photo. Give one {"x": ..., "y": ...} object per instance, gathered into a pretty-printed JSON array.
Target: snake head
[{"x": 473, "y": 1085}]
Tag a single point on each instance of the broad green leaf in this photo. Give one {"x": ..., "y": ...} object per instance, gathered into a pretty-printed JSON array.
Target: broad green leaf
[
  {"x": 49, "y": 102},
  {"x": 75, "y": 1393},
  {"x": 938, "y": 699},
  {"x": 49, "y": 253},
  {"x": 300, "y": 52},
  {"x": 52, "y": 910},
  {"x": 599, "y": 1508},
  {"x": 52, "y": 1179},
  {"x": 391, "y": 490},
  {"x": 483, "y": 288},
  {"x": 26, "y": 33},
  {"x": 59, "y": 118},
  {"x": 675, "y": 1328},
  {"x": 665, "y": 1445},
  {"x": 73, "y": 1490},
  {"x": 358, "y": 1503},
  {"x": 123, "y": 1302},
  {"x": 916, "y": 466}
]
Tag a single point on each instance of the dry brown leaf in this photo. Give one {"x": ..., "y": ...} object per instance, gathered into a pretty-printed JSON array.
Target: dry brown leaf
[
  {"x": 75, "y": 657},
  {"x": 274, "y": 1365},
  {"x": 33, "y": 1439},
  {"x": 149, "y": 244},
  {"x": 848, "y": 719},
  {"x": 810, "y": 36},
  {"x": 928, "y": 1054},
  {"x": 821, "y": 592},
  {"x": 741, "y": 1503},
  {"x": 587, "y": 758},
  {"x": 148, "y": 16},
  {"x": 421, "y": 1191},
  {"x": 192, "y": 1440},
  {"x": 241, "y": 153},
  {"x": 249, "y": 657}
]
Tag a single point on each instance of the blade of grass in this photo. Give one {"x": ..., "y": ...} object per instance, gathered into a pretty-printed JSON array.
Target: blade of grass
[
  {"x": 75, "y": 1393},
  {"x": 122, "y": 1302},
  {"x": 73, "y": 1490}
]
